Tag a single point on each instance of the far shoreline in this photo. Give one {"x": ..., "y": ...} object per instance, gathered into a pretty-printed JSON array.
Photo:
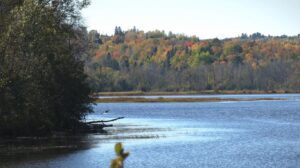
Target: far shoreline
[
  {"x": 204, "y": 92},
  {"x": 178, "y": 100}
]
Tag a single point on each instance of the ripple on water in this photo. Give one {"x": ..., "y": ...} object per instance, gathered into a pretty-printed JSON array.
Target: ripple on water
[{"x": 237, "y": 134}]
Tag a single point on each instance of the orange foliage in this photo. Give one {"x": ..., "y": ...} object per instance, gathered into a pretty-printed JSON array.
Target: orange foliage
[{"x": 116, "y": 54}]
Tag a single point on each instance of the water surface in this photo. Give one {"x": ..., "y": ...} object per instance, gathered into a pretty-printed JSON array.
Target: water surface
[{"x": 203, "y": 134}]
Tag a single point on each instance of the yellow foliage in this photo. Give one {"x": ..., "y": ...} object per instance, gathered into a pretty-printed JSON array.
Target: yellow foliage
[{"x": 121, "y": 156}]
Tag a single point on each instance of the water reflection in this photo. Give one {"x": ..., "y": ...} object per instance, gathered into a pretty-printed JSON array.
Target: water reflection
[
  {"x": 210, "y": 134},
  {"x": 29, "y": 152},
  {"x": 27, "y": 149}
]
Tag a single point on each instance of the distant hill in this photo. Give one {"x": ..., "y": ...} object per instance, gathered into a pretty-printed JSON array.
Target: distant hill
[{"x": 138, "y": 60}]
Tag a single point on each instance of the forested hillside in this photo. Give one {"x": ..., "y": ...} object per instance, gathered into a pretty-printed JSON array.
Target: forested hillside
[{"x": 159, "y": 61}]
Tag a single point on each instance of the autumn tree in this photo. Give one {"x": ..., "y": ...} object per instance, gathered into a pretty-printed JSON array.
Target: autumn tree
[{"x": 156, "y": 61}]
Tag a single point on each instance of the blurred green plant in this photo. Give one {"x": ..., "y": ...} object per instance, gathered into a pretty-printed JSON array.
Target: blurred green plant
[{"x": 121, "y": 156}]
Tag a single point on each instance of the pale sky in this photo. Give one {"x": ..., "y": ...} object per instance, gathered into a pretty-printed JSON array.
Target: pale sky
[{"x": 203, "y": 18}]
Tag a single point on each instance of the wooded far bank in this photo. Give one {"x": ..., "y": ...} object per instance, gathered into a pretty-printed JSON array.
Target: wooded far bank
[{"x": 135, "y": 60}]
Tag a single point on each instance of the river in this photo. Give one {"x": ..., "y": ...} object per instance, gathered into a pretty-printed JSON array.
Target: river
[{"x": 235, "y": 134}]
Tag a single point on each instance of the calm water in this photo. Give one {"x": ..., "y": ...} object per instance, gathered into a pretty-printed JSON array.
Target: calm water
[{"x": 208, "y": 134}]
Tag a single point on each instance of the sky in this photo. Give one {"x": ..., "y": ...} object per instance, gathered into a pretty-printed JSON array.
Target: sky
[{"x": 203, "y": 18}]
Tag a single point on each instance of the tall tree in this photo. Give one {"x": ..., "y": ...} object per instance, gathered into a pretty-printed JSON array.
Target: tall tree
[{"x": 42, "y": 85}]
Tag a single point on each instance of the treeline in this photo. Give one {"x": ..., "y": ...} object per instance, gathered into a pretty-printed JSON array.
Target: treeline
[
  {"x": 43, "y": 87},
  {"x": 156, "y": 61}
]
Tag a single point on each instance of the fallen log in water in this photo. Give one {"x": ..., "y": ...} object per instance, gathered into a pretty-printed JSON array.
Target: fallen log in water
[
  {"x": 97, "y": 126},
  {"x": 104, "y": 121}
]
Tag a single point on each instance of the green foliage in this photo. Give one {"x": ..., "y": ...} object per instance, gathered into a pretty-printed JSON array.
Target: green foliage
[
  {"x": 108, "y": 61},
  {"x": 201, "y": 57},
  {"x": 121, "y": 156},
  {"x": 42, "y": 82}
]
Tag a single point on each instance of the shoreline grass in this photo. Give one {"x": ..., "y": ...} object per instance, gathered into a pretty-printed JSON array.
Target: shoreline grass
[
  {"x": 204, "y": 92},
  {"x": 169, "y": 100}
]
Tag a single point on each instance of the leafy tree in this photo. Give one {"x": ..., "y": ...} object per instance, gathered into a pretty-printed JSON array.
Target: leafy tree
[
  {"x": 43, "y": 87},
  {"x": 108, "y": 61},
  {"x": 256, "y": 36},
  {"x": 119, "y": 35},
  {"x": 244, "y": 36}
]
